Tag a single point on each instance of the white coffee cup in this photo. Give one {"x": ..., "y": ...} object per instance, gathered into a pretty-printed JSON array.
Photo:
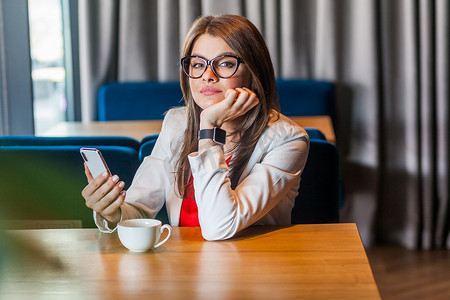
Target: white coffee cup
[{"x": 140, "y": 235}]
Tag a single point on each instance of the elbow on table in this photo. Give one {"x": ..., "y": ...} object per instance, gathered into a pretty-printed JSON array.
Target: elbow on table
[
  {"x": 213, "y": 237},
  {"x": 217, "y": 233}
]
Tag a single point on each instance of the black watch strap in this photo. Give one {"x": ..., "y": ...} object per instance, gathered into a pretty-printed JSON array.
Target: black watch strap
[{"x": 216, "y": 134}]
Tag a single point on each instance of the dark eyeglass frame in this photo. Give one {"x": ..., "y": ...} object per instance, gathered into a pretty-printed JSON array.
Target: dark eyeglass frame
[{"x": 211, "y": 64}]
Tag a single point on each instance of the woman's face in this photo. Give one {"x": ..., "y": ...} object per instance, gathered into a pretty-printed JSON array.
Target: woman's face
[{"x": 210, "y": 89}]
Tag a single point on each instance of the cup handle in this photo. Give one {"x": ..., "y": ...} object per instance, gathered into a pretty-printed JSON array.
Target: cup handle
[{"x": 169, "y": 229}]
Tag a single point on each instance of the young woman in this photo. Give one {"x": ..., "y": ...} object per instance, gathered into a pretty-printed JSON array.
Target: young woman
[{"x": 225, "y": 161}]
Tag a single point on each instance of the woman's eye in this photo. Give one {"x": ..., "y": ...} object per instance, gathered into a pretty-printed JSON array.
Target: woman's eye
[
  {"x": 197, "y": 65},
  {"x": 226, "y": 64}
]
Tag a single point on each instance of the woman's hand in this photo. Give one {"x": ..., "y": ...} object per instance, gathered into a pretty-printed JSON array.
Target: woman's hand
[
  {"x": 237, "y": 102},
  {"x": 104, "y": 195}
]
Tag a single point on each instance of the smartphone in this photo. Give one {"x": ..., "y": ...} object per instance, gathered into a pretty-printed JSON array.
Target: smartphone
[{"x": 95, "y": 161}]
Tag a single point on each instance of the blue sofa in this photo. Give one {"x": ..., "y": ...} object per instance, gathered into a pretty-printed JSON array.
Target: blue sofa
[
  {"x": 306, "y": 97},
  {"x": 85, "y": 141},
  {"x": 149, "y": 100},
  {"x": 137, "y": 100}
]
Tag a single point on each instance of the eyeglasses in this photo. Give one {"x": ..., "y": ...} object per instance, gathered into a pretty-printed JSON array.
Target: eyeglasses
[{"x": 223, "y": 66}]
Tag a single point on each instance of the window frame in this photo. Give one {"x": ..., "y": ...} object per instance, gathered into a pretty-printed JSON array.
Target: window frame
[
  {"x": 16, "y": 86},
  {"x": 16, "y": 109}
]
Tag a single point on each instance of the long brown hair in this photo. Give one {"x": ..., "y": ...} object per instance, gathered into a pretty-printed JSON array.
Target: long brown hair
[{"x": 245, "y": 39}]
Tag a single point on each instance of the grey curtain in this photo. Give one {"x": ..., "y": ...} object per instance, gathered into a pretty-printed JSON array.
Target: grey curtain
[{"x": 388, "y": 58}]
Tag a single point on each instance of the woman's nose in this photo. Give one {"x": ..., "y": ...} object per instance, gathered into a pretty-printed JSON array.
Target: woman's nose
[{"x": 209, "y": 75}]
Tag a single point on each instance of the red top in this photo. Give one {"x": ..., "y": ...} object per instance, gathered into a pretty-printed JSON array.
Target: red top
[{"x": 189, "y": 209}]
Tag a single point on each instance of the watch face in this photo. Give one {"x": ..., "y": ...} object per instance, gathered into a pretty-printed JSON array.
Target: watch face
[{"x": 219, "y": 136}]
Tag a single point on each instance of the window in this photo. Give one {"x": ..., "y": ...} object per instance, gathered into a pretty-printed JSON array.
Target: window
[{"x": 48, "y": 63}]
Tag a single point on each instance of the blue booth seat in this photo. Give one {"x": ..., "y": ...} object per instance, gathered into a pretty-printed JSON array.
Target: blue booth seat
[
  {"x": 147, "y": 145},
  {"x": 314, "y": 133},
  {"x": 318, "y": 198},
  {"x": 306, "y": 97},
  {"x": 137, "y": 100},
  {"x": 152, "y": 137},
  {"x": 85, "y": 141},
  {"x": 45, "y": 182},
  {"x": 149, "y": 100}
]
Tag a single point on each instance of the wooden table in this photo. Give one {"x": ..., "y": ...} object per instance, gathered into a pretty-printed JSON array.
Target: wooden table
[
  {"x": 140, "y": 129},
  {"x": 264, "y": 262}
]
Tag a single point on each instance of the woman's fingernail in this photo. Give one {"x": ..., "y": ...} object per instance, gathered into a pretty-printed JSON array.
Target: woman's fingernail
[
  {"x": 115, "y": 178},
  {"x": 121, "y": 185},
  {"x": 104, "y": 174}
]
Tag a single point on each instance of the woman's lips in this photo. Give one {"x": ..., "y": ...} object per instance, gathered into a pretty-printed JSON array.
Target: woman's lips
[{"x": 209, "y": 91}]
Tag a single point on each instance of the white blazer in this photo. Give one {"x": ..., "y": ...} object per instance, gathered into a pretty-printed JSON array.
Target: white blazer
[{"x": 264, "y": 195}]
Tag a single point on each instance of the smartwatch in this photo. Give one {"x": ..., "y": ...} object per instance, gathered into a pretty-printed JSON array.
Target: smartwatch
[{"x": 217, "y": 135}]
